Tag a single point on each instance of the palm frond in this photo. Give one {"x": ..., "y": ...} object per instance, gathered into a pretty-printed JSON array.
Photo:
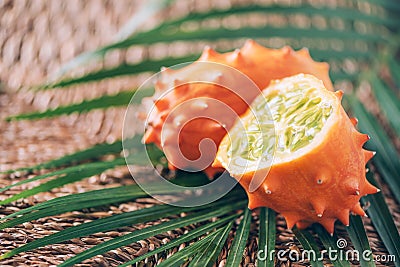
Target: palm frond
[
  {"x": 382, "y": 219},
  {"x": 331, "y": 242},
  {"x": 147, "y": 10},
  {"x": 359, "y": 239},
  {"x": 209, "y": 252},
  {"x": 388, "y": 102},
  {"x": 95, "y": 152},
  {"x": 149, "y": 231},
  {"x": 266, "y": 237},
  {"x": 78, "y": 173},
  {"x": 235, "y": 254},
  {"x": 195, "y": 233},
  {"x": 309, "y": 244},
  {"x": 387, "y": 159}
]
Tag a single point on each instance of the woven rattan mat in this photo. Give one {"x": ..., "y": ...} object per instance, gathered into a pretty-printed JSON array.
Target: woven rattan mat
[{"x": 35, "y": 38}]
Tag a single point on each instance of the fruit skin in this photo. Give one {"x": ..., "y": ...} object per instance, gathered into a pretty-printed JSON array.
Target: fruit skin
[
  {"x": 321, "y": 185},
  {"x": 259, "y": 63}
]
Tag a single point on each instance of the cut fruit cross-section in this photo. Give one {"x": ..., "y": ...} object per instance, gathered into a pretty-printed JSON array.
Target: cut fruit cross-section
[{"x": 302, "y": 150}]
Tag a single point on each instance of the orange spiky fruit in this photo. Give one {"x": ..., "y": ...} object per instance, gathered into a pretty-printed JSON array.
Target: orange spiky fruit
[
  {"x": 304, "y": 151},
  {"x": 258, "y": 63}
]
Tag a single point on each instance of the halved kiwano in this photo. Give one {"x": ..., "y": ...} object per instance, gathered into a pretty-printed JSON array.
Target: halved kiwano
[
  {"x": 299, "y": 154},
  {"x": 259, "y": 63}
]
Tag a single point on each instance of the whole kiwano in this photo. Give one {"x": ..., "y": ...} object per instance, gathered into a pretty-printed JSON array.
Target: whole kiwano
[{"x": 179, "y": 129}]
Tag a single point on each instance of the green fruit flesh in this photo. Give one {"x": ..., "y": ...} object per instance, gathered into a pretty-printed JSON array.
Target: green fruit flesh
[{"x": 281, "y": 122}]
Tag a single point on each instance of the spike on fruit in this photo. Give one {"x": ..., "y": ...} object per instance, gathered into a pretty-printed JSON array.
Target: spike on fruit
[
  {"x": 357, "y": 209},
  {"x": 329, "y": 225},
  {"x": 352, "y": 187},
  {"x": 304, "y": 51},
  {"x": 291, "y": 220},
  {"x": 287, "y": 51},
  {"x": 339, "y": 94},
  {"x": 161, "y": 104},
  {"x": 237, "y": 58},
  {"x": 208, "y": 53},
  {"x": 318, "y": 207},
  {"x": 368, "y": 155},
  {"x": 303, "y": 224},
  {"x": 354, "y": 121},
  {"x": 344, "y": 216},
  {"x": 361, "y": 138},
  {"x": 369, "y": 189},
  {"x": 150, "y": 136}
]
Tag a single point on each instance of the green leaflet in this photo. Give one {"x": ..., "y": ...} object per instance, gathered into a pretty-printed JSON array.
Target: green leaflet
[
  {"x": 394, "y": 70},
  {"x": 235, "y": 254},
  {"x": 112, "y": 222},
  {"x": 266, "y": 237},
  {"x": 382, "y": 220},
  {"x": 119, "y": 99},
  {"x": 185, "y": 238},
  {"x": 208, "y": 253},
  {"x": 149, "y": 231},
  {"x": 68, "y": 170},
  {"x": 387, "y": 159},
  {"x": 330, "y": 243},
  {"x": 94, "y": 152},
  {"x": 72, "y": 202},
  {"x": 389, "y": 103},
  {"x": 187, "y": 253},
  {"x": 360, "y": 240},
  {"x": 120, "y": 70},
  {"x": 342, "y": 13},
  {"x": 309, "y": 244},
  {"x": 67, "y": 178},
  {"x": 147, "y": 10},
  {"x": 99, "y": 197},
  {"x": 154, "y": 66}
]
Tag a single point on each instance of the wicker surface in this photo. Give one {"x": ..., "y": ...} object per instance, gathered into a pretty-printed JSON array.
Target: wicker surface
[{"x": 35, "y": 38}]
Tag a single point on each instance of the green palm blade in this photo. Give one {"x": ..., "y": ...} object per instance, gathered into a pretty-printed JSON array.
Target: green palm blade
[
  {"x": 266, "y": 237},
  {"x": 235, "y": 254},
  {"x": 182, "y": 239},
  {"x": 309, "y": 244},
  {"x": 149, "y": 231},
  {"x": 359, "y": 239}
]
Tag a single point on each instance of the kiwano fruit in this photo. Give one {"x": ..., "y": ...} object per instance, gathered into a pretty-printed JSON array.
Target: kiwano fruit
[
  {"x": 180, "y": 135},
  {"x": 302, "y": 151}
]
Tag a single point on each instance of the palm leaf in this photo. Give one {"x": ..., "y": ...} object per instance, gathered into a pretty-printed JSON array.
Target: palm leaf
[
  {"x": 360, "y": 240},
  {"x": 95, "y": 152},
  {"x": 330, "y": 242},
  {"x": 149, "y": 231},
  {"x": 184, "y": 238},
  {"x": 185, "y": 254},
  {"x": 147, "y": 10},
  {"x": 235, "y": 254},
  {"x": 266, "y": 237},
  {"x": 209, "y": 252},
  {"x": 70, "y": 177},
  {"x": 394, "y": 70},
  {"x": 110, "y": 223},
  {"x": 389, "y": 103},
  {"x": 309, "y": 244},
  {"x": 387, "y": 159},
  {"x": 383, "y": 220}
]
